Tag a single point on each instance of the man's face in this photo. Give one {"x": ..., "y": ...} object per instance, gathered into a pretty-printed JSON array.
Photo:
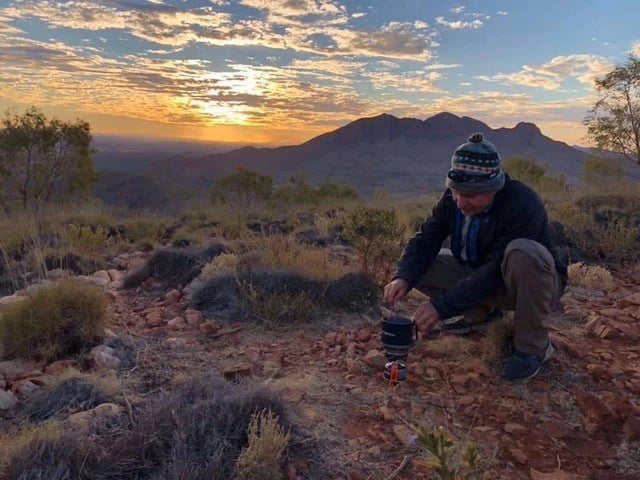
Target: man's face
[{"x": 472, "y": 203}]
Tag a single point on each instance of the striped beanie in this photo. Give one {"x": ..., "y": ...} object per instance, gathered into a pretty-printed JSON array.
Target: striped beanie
[{"x": 476, "y": 167}]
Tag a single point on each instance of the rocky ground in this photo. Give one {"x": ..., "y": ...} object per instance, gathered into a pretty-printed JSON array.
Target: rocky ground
[{"x": 579, "y": 419}]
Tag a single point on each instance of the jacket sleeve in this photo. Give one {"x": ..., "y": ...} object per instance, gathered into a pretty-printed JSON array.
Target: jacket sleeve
[
  {"x": 469, "y": 292},
  {"x": 423, "y": 248}
]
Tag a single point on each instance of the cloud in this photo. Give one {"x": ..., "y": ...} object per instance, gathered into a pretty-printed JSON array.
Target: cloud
[
  {"x": 358, "y": 15},
  {"x": 550, "y": 75},
  {"x": 459, "y": 24},
  {"x": 441, "y": 66},
  {"x": 458, "y": 9},
  {"x": 635, "y": 50},
  {"x": 290, "y": 24},
  {"x": 500, "y": 12},
  {"x": 416, "y": 81}
]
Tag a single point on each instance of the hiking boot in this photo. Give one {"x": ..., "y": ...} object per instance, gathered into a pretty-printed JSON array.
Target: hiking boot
[
  {"x": 460, "y": 326},
  {"x": 521, "y": 367}
]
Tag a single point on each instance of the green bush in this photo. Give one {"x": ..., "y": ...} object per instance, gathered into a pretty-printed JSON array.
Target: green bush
[
  {"x": 54, "y": 321},
  {"x": 377, "y": 237}
]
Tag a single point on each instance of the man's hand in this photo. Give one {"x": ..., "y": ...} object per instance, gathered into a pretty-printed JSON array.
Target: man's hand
[
  {"x": 426, "y": 316},
  {"x": 394, "y": 291}
]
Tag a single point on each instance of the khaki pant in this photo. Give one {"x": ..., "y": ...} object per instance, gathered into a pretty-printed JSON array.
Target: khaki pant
[{"x": 531, "y": 287}]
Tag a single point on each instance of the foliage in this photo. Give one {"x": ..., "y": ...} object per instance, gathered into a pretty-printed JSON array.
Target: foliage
[
  {"x": 43, "y": 160},
  {"x": 614, "y": 121},
  {"x": 54, "y": 321},
  {"x": 525, "y": 169},
  {"x": 299, "y": 192},
  {"x": 377, "y": 237},
  {"x": 590, "y": 276},
  {"x": 243, "y": 189},
  {"x": 266, "y": 441},
  {"x": 84, "y": 239},
  {"x": 598, "y": 170},
  {"x": 446, "y": 461},
  {"x": 197, "y": 430}
]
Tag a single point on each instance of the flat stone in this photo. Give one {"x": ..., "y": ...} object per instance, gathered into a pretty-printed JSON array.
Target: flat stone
[
  {"x": 23, "y": 388},
  {"x": 95, "y": 281},
  {"x": 631, "y": 300},
  {"x": 18, "y": 369},
  {"x": 403, "y": 434},
  {"x": 154, "y": 318},
  {"x": 193, "y": 317},
  {"x": 177, "y": 323},
  {"x": 103, "y": 274},
  {"x": 518, "y": 455},
  {"x": 209, "y": 328},
  {"x": 375, "y": 358},
  {"x": 7, "y": 400}
]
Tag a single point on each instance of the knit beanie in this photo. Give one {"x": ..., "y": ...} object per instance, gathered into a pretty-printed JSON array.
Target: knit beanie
[{"x": 476, "y": 167}]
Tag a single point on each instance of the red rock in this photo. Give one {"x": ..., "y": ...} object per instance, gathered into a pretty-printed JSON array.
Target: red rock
[
  {"x": 632, "y": 428},
  {"x": 466, "y": 401},
  {"x": 177, "y": 323},
  {"x": 403, "y": 434},
  {"x": 476, "y": 366},
  {"x": 514, "y": 428},
  {"x": 292, "y": 395},
  {"x": 56, "y": 368},
  {"x": 563, "y": 344},
  {"x": 23, "y": 388},
  {"x": 154, "y": 318},
  {"x": 193, "y": 317},
  {"x": 556, "y": 475},
  {"x": 593, "y": 407},
  {"x": 104, "y": 357},
  {"x": 242, "y": 370},
  {"x": 209, "y": 328},
  {"x": 631, "y": 300},
  {"x": 42, "y": 380},
  {"x": 330, "y": 338},
  {"x": 363, "y": 335},
  {"x": 518, "y": 455},
  {"x": 172, "y": 296},
  {"x": 375, "y": 358},
  {"x": 351, "y": 350},
  {"x": 19, "y": 369}
]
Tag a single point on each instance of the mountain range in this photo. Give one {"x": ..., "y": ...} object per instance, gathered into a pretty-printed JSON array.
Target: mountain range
[{"x": 401, "y": 155}]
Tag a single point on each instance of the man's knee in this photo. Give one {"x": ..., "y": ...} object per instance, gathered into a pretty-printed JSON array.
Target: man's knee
[{"x": 523, "y": 255}]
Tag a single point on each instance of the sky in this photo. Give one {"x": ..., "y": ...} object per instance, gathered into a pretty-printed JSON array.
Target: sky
[{"x": 283, "y": 71}]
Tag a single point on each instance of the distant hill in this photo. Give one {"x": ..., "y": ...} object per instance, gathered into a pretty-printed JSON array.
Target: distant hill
[{"x": 403, "y": 155}]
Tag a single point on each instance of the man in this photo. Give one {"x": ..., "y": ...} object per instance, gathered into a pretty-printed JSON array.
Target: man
[{"x": 501, "y": 258}]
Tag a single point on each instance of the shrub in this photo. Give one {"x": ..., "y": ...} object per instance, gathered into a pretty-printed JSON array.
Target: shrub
[
  {"x": 242, "y": 189},
  {"x": 377, "y": 237},
  {"x": 223, "y": 263},
  {"x": 58, "y": 320},
  {"x": 353, "y": 292},
  {"x": 174, "y": 266},
  {"x": 266, "y": 296},
  {"x": 85, "y": 239},
  {"x": 196, "y": 431},
  {"x": 446, "y": 461},
  {"x": 266, "y": 440},
  {"x": 69, "y": 396},
  {"x": 590, "y": 276}
]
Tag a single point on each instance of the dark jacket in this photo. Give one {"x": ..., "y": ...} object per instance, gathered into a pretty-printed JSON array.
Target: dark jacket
[{"x": 517, "y": 212}]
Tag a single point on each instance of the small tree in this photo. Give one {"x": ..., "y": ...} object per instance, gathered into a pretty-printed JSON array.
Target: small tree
[
  {"x": 614, "y": 121},
  {"x": 43, "y": 160},
  {"x": 377, "y": 237},
  {"x": 525, "y": 169},
  {"x": 243, "y": 188},
  {"x": 596, "y": 170}
]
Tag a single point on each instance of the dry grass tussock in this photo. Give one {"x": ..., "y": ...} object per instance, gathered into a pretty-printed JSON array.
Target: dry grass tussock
[
  {"x": 276, "y": 297},
  {"x": 174, "y": 266},
  {"x": 61, "y": 319},
  {"x": 497, "y": 341},
  {"x": 266, "y": 441},
  {"x": 593, "y": 277},
  {"x": 199, "y": 430}
]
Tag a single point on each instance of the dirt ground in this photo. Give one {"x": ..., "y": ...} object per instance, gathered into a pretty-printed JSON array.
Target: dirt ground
[{"x": 573, "y": 421}]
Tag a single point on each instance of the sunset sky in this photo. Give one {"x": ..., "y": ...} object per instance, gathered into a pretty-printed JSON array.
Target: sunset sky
[{"x": 282, "y": 71}]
